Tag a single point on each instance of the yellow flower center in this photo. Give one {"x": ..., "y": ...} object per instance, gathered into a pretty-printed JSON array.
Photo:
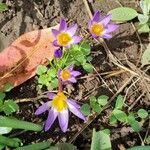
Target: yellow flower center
[
  {"x": 64, "y": 39},
  {"x": 59, "y": 101},
  {"x": 65, "y": 74},
  {"x": 97, "y": 29}
]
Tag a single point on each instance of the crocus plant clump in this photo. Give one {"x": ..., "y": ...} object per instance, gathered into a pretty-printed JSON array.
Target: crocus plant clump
[{"x": 66, "y": 43}]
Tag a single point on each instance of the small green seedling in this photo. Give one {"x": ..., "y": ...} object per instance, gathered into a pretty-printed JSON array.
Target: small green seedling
[
  {"x": 3, "y": 7},
  {"x": 8, "y": 106},
  {"x": 145, "y": 17},
  {"x": 119, "y": 115},
  {"x": 95, "y": 105}
]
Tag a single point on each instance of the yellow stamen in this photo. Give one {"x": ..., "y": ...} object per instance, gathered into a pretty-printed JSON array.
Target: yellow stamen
[
  {"x": 59, "y": 101},
  {"x": 65, "y": 74},
  {"x": 64, "y": 39},
  {"x": 97, "y": 29}
]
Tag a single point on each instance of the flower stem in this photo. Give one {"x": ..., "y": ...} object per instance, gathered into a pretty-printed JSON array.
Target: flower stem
[{"x": 60, "y": 87}]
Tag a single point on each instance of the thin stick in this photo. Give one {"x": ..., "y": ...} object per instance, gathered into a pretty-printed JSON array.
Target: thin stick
[
  {"x": 87, "y": 8},
  {"x": 136, "y": 101},
  {"x": 30, "y": 99},
  {"x": 130, "y": 88}
]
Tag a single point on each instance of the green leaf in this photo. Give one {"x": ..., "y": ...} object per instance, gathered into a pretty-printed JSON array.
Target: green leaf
[
  {"x": 142, "y": 113},
  {"x": 85, "y": 48},
  {"x": 43, "y": 79},
  {"x": 9, "y": 107},
  {"x": 41, "y": 69},
  {"x": 37, "y": 146},
  {"x": 100, "y": 141},
  {"x": 80, "y": 57},
  {"x": 120, "y": 115},
  {"x": 106, "y": 131},
  {"x": 8, "y": 87},
  {"x": 2, "y": 146},
  {"x": 145, "y": 6},
  {"x": 119, "y": 102},
  {"x": 103, "y": 100},
  {"x": 94, "y": 104},
  {"x": 89, "y": 58},
  {"x": 54, "y": 83},
  {"x": 133, "y": 123},
  {"x": 12, "y": 142},
  {"x": 19, "y": 124},
  {"x": 123, "y": 14},
  {"x": 143, "y": 18},
  {"x": 136, "y": 126},
  {"x": 2, "y": 95},
  {"x": 3, "y": 7},
  {"x": 92, "y": 100},
  {"x": 5, "y": 130},
  {"x": 148, "y": 140},
  {"x": 85, "y": 109},
  {"x": 66, "y": 146},
  {"x": 52, "y": 72},
  {"x": 139, "y": 148},
  {"x": 112, "y": 120},
  {"x": 146, "y": 56},
  {"x": 131, "y": 118},
  {"x": 97, "y": 108},
  {"x": 88, "y": 67},
  {"x": 143, "y": 28}
]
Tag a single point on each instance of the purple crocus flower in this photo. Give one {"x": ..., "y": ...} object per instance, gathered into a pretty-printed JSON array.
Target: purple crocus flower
[
  {"x": 58, "y": 53},
  {"x": 65, "y": 36},
  {"x": 58, "y": 107},
  {"x": 69, "y": 75},
  {"x": 100, "y": 28}
]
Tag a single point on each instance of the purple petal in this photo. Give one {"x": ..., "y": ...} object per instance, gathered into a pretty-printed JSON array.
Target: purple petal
[
  {"x": 111, "y": 28},
  {"x": 68, "y": 46},
  {"x": 107, "y": 36},
  {"x": 96, "y": 16},
  {"x": 75, "y": 73},
  {"x": 55, "y": 43},
  {"x": 63, "y": 118},
  {"x": 76, "y": 111},
  {"x": 89, "y": 24},
  {"x": 76, "y": 39},
  {"x": 94, "y": 36},
  {"x": 63, "y": 25},
  {"x": 58, "y": 53},
  {"x": 73, "y": 80},
  {"x": 51, "y": 95},
  {"x": 70, "y": 68},
  {"x": 42, "y": 108},
  {"x": 51, "y": 118},
  {"x": 106, "y": 20},
  {"x": 72, "y": 29},
  {"x": 74, "y": 103},
  {"x": 55, "y": 32}
]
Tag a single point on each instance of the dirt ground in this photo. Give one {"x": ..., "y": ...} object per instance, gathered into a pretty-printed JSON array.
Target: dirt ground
[{"x": 28, "y": 15}]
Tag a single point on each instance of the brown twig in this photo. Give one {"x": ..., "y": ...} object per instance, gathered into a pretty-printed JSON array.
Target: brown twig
[
  {"x": 30, "y": 99},
  {"x": 135, "y": 102}
]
